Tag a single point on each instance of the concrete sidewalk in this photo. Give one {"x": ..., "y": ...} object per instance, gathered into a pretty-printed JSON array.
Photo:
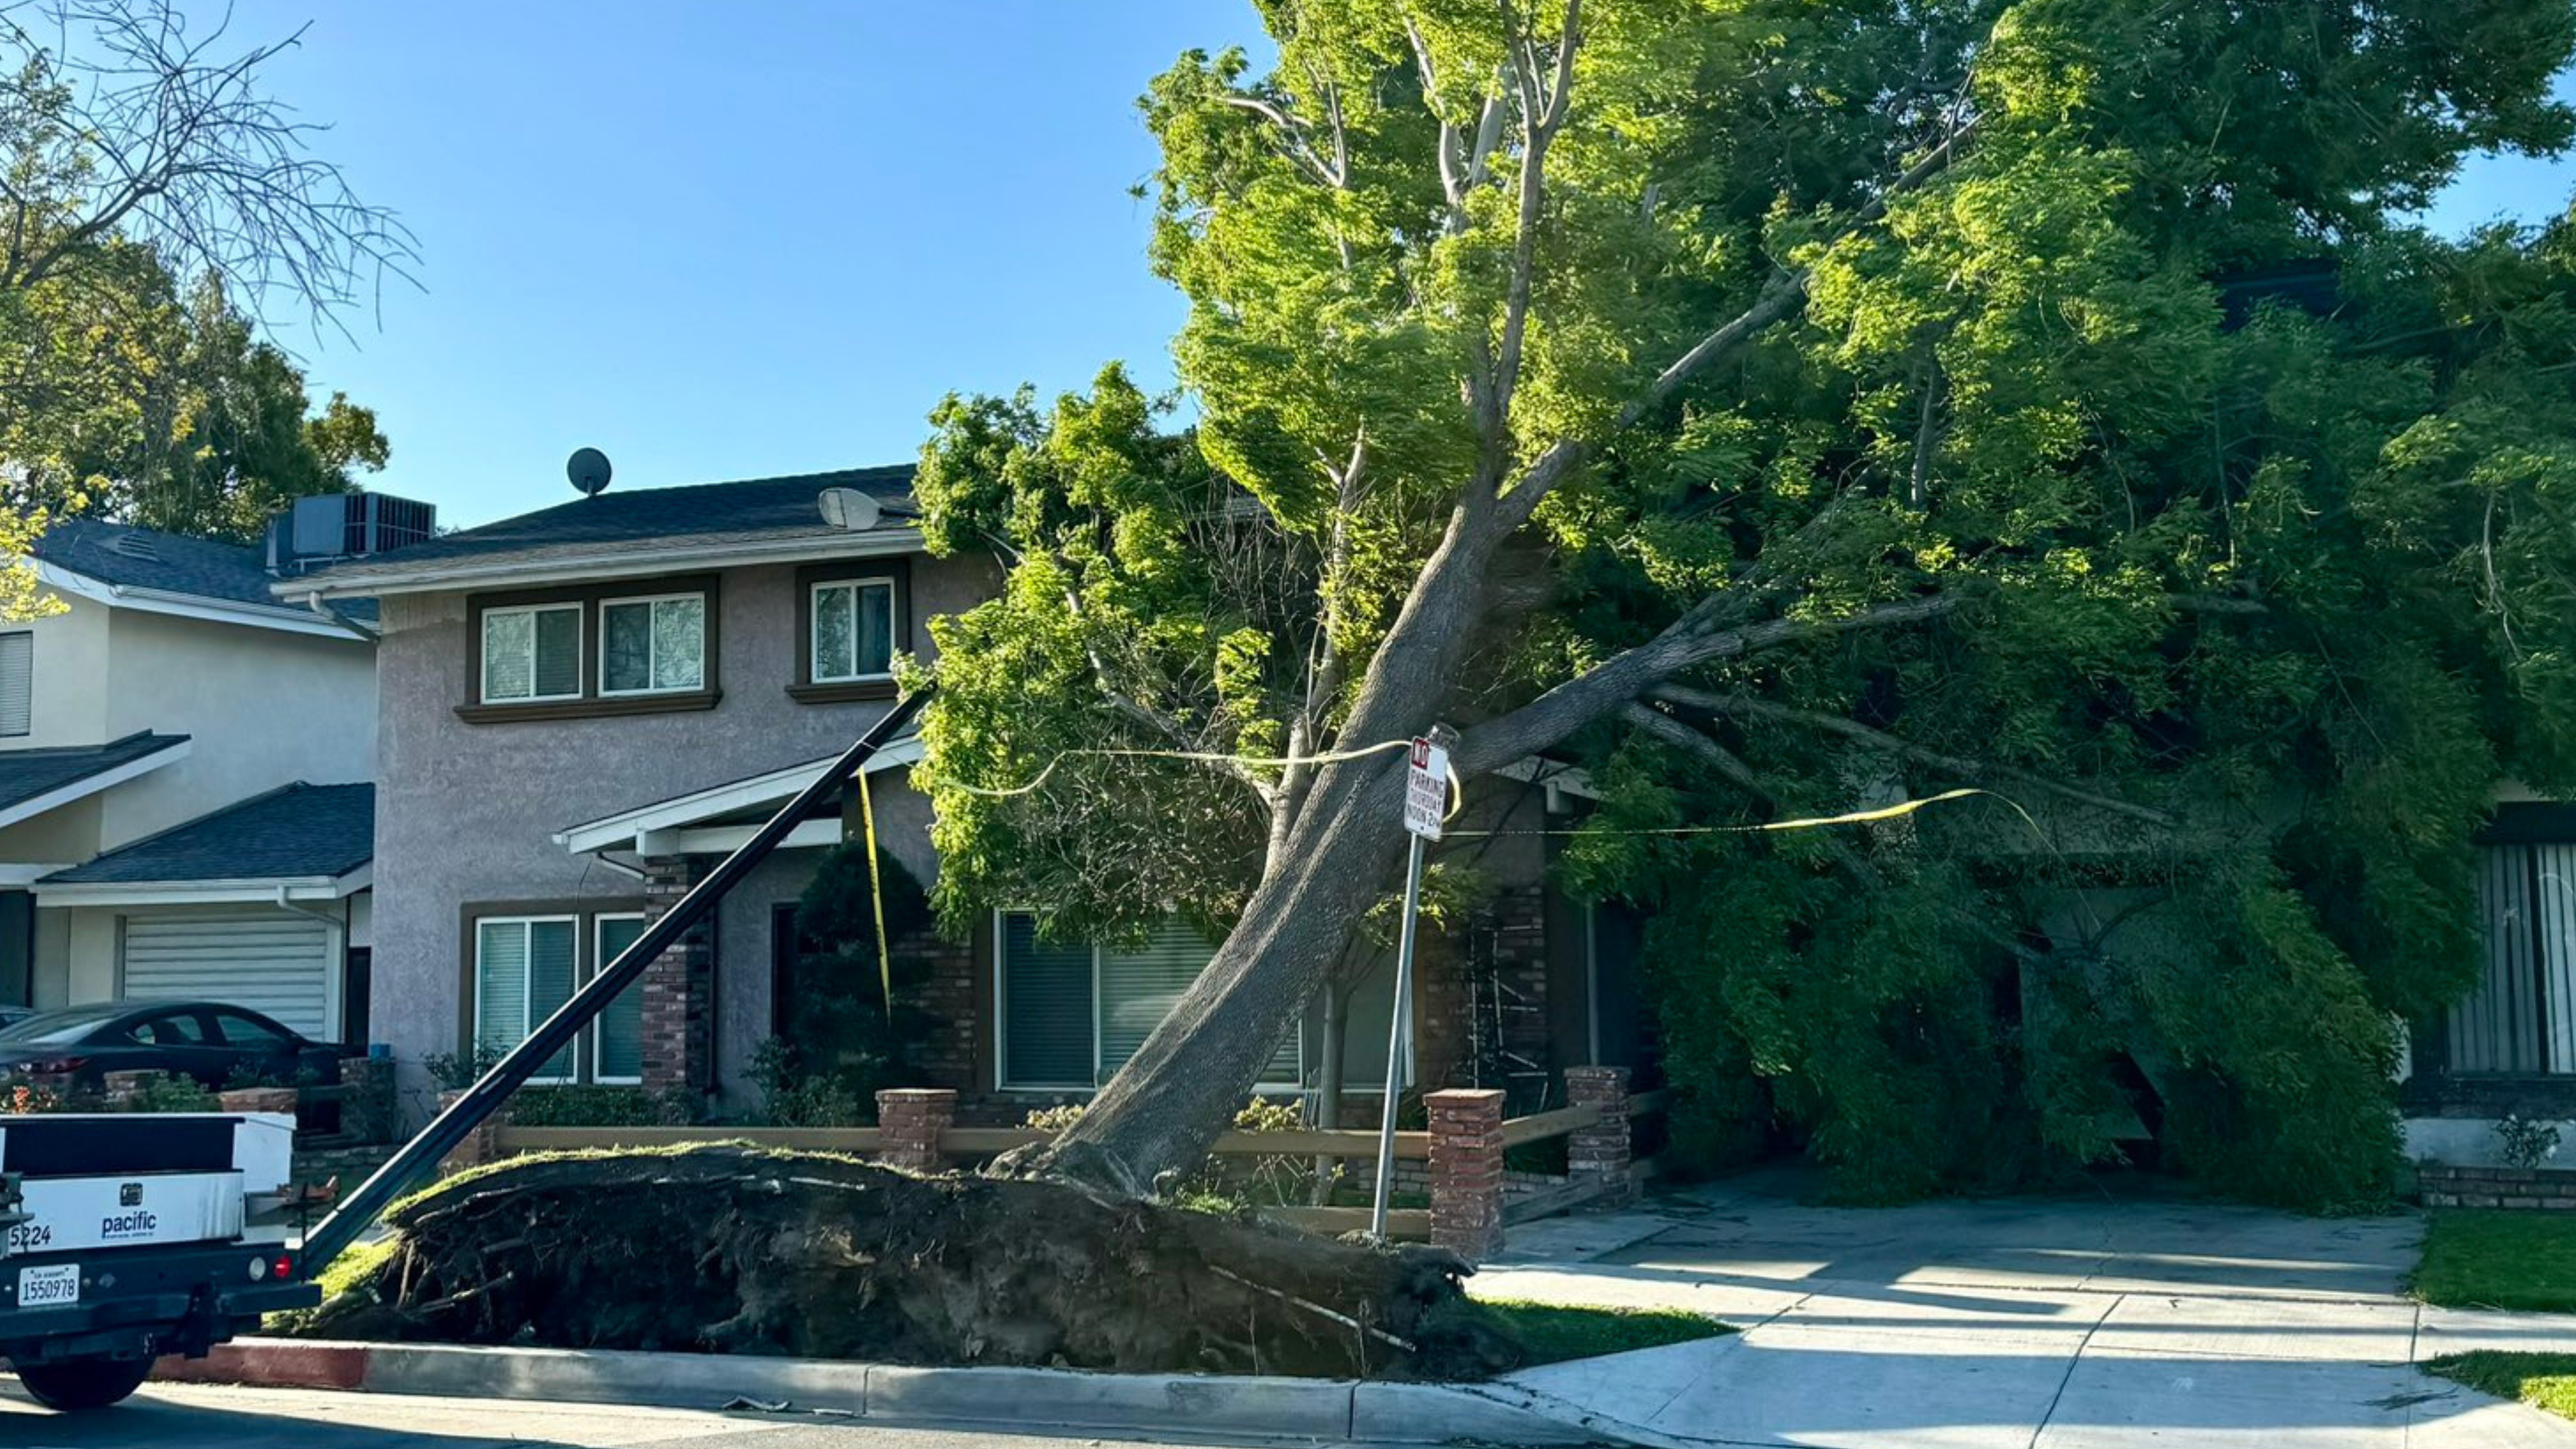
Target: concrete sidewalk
[{"x": 2017, "y": 1324}]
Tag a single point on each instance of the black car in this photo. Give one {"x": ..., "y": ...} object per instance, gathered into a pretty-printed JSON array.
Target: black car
[{"x": 218, "y": 1045}]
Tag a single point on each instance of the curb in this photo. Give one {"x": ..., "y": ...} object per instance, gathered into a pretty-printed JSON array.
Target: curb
[{"x": 1284, "y": 1408}]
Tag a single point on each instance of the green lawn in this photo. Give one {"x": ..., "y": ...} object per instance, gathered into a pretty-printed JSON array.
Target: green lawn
[
  {"x": 2518, "y": 1260},
  {"x": 2542, "y": 1380},
  {"x": 1553, "y": 1334}
]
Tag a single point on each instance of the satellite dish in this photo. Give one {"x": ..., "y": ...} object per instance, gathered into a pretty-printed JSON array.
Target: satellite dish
[
  {"x": 848, "y": 509},
  {"x": 588, "y": 470}
]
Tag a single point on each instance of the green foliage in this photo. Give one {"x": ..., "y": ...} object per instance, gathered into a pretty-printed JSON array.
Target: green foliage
[
  {"x": 596, "y": 1106},
  {"x": 455, "y": 1071},
  {"x": 1555, "y": 1332},
  {"x": 2542, "y": 1380},
  {"x": 2521, "y": 1261},
  {"x": 841, "y": 1041},
  {"x": 2254, "y": 508}
]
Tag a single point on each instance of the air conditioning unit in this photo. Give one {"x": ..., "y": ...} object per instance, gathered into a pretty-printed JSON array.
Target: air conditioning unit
[{"x": 346, "y": 525}]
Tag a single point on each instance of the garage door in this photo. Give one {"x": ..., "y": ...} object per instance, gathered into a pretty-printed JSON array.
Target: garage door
[{"x": 274, "y": 963}]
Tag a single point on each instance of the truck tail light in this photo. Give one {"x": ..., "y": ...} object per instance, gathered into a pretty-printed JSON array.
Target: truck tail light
[
  {"x": 258, "y": 1269},
  {"x": 284, "y": 1267}
]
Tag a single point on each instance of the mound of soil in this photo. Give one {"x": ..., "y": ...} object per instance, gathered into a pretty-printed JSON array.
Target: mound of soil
[{"x": 730, "y": 1249}]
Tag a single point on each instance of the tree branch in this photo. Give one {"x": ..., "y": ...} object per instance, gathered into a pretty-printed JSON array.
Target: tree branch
[
  {"x": 1731, "y": 765},
  {"x": 1694, "y": 639},
  {"x": 1958, "y": 765}
]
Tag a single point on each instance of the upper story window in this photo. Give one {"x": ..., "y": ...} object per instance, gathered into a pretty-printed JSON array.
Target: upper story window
[
  {"x": 592, "y": 649},
  {"x": 652, "y": 645},
  {"x": 17, "y": 683},
  {"x": 532, "y": 653},
  {"x": 853, "y": 631},
  {"x": 852, "y": 621}
]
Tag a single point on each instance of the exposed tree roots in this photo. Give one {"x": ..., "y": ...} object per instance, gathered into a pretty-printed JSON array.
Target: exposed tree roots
[{"x": 739, "y": 1250}]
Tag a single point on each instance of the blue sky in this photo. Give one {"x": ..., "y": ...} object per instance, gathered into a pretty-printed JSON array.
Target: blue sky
[{"x": 728, "y": 241}]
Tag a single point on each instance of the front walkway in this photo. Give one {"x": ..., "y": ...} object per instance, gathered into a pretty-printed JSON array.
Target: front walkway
[{"x": 2137, "y": 1318}]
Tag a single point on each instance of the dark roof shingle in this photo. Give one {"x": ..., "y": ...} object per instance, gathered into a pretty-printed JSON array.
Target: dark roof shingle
[
  {"x": 675, "y": 519},
  {"x": 26, "y": 774},
  {"x": 299, "y": 831},
  {"x": 123, "y": 556}
]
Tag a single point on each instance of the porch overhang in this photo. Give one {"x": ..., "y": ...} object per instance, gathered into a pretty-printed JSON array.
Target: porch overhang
[{"x": 721, "y": 818}]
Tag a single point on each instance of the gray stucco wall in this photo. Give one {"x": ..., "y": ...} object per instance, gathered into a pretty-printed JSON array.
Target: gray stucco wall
[{"x": 465, "y": 812}]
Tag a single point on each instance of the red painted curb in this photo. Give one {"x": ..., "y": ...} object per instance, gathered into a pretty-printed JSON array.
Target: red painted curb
[{"x": 272, "y": 1365}]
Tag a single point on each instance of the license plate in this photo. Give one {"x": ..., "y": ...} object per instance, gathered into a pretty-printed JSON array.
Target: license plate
[{"x": 49, "y": 1287}]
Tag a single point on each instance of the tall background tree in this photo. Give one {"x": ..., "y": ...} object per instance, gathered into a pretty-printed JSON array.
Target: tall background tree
[
  {"x": 157, "y": 203},
  {"x": 1788, "y": 405}
]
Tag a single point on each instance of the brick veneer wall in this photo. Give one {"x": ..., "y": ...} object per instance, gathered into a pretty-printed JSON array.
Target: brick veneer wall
[
  {"x": 2525, "y": 1189},
  {"x": 945, "y": 1056},
  {"x": 679, "y": 986}
]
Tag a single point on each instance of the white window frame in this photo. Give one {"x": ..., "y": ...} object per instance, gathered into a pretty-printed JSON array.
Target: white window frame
[
  {"x": 483, "y": 652},
  {"x": 814, "y": 626},
  {"x": 649, "y": 641},
  {"x": 599, "y": 963},
  {"x": 1002, "y": 1017},
  {"x": 526, "y": 925}
]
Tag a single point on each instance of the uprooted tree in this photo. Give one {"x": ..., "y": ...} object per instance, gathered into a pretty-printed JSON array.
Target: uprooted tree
[{"x": 1786, "y": 406}]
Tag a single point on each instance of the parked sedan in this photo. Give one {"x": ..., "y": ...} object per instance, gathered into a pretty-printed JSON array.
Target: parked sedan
[{"x": 212, "y": 1042}]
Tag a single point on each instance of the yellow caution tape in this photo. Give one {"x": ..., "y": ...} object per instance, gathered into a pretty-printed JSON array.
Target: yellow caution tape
[{"x": 876, "y": 894}]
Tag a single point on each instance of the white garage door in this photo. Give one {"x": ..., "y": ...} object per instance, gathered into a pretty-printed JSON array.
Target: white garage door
[{"x": 271, "y": 962}]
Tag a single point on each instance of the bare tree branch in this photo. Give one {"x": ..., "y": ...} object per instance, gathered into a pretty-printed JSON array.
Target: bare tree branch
[
  {"x": 1690, "y": 641},
  {"x": 1956, "y": 765}
]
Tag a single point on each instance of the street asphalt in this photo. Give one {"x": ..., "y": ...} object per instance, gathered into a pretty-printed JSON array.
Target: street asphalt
[{"x": 187, "y": 1416}]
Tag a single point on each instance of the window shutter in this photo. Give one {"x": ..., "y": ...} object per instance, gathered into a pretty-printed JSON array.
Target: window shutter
[
  {"x": 1139, "y": 987},
  {"x": 621, "y": 1025},
  {"x": 558, "y": 652},
  {"x": 17, "y": 683},
  {"x": 500, "y": 984},
  {"x": 1046, "y": 1008}
]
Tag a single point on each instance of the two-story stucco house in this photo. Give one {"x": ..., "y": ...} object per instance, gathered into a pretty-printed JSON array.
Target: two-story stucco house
[
  {"x": 585, "y": 707},
  {"x": 185, "y": 807}
]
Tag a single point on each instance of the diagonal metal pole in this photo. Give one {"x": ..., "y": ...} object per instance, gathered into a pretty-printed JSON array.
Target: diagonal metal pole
[{"x": 421, "y": 1154}]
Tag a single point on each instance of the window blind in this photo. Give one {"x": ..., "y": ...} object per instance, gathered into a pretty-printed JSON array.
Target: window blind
[
  {"x": 1046, "y": 1008},
  {"x": 1138, "y": 988},
  {"x": 523, "y": 971},
  {"x": 17, "y": 683}
]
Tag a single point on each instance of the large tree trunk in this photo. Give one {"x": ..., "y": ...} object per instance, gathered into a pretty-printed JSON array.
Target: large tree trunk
[{"x": 1164, "y": 1109}]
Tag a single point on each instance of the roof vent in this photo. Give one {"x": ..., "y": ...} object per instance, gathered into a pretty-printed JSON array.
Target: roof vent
[{"x": 135, "y": 545}]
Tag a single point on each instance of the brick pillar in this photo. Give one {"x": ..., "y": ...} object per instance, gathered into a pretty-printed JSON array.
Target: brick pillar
[
  {"x": 910, "y": 1122},
  {"x": 480, "y": 1146},
  {"x": 679, "y": 987},
  {"x": 1601, "y": 1150},
  {"x": 1466, "y": 1171},
  {"x": 369, "y": 1111}
]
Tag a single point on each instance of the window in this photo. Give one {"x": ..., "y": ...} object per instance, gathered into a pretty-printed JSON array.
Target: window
[
  {"x": 593, "y": 649},
  {"x": 853, "y": 631},
  {"x": 17, "y": 683},
  {"x": 851, "y": 623},
  {"x": 179, "y": 1029},
  {"x": 652, "y": 645},
  {"x": 1071, "y": 1015},
  {"x": 532, "y": 653},
  {"x": 2522, "y": 1018},
  {"x": 523, "y": 971},
  {"x": 242, "y": 1029},
  {"x": 617, "y": 1043}
]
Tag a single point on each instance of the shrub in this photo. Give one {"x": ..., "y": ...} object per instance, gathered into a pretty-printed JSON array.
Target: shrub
[
  {"x": 458, "y": 1070},
  {"x": 793, "y": 1097},
  {"x": 2524, "y": 1142},
  {"x": 597, "y": 1106}
]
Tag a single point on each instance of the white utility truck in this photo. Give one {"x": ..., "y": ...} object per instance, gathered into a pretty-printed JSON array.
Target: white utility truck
[{"x": 122, "y": 1239}]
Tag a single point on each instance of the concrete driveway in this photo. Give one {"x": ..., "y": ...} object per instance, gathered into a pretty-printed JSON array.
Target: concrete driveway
[{"x": 2138, "y": 1317}]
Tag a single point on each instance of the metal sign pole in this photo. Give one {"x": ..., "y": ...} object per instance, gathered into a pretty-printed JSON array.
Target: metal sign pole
[
  {"x": 1426, "y": 806},
  {"x": 1399, "y": 1019}
]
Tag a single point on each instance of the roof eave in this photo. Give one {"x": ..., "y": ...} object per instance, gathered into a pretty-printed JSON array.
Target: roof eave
[
  {"x": 191, "y": 606},
  {"x": 256, "y": 890},
  {"x": 358, "y": 582},
  {"x": 90, "y": 784}
]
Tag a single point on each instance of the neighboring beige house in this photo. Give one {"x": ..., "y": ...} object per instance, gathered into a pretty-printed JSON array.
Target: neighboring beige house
[{"x": 184, "y": 766}]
